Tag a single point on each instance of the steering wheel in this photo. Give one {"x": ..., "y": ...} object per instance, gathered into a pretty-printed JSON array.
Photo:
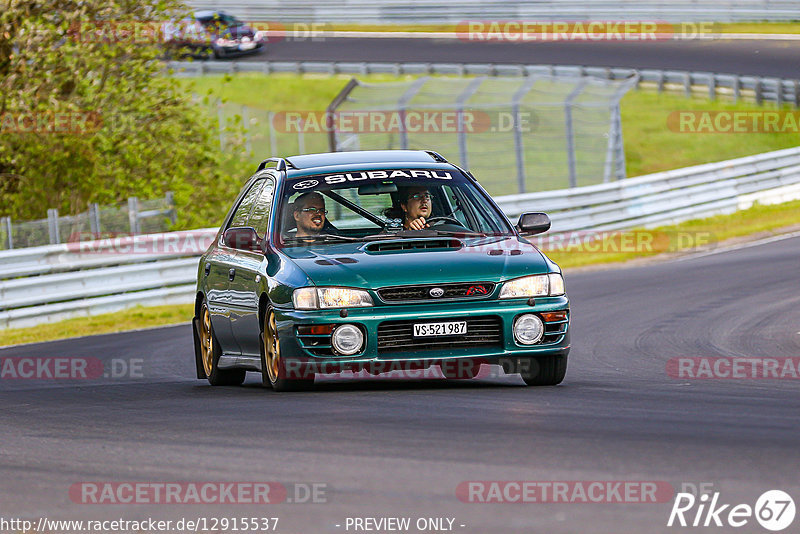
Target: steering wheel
[{"x": 434, "y": 220}]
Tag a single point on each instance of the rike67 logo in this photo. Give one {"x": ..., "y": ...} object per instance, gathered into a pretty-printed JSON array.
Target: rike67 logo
[{"x": 774, "y": 510}]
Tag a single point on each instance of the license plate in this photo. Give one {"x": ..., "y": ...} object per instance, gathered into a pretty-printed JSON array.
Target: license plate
[
  {"x": 440, "y": 329},
  {"x": 247, "y": 46}
]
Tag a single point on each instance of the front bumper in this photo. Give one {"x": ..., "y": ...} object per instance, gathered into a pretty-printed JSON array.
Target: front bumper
[
  {"x": 238, "y": 49},
  {"x": 296, "y": 348}
]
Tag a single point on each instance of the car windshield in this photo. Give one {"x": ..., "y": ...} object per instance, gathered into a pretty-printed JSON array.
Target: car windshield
[
  {"x": 219, "y": 19},
  {"x": 382, "y": 204}
]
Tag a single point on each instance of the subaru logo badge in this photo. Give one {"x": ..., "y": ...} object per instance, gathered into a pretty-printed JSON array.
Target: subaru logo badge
[{"x": 436, "y": 292}]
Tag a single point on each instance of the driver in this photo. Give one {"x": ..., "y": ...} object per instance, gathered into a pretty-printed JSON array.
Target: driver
[
  {"x": 309, "y": 213},
  {"x": 416, "y": 206}
]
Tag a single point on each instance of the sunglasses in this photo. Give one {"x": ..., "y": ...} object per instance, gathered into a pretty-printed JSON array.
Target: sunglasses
[
  {"x": 420, "y": 196},
  {"x": 315, "y": 210}
]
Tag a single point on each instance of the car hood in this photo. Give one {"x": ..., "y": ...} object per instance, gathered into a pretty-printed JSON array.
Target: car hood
[{"x": 492, "y": 259}]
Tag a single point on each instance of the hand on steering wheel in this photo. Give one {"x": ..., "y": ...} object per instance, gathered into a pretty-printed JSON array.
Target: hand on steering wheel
[{"x": 435, "y": 220}]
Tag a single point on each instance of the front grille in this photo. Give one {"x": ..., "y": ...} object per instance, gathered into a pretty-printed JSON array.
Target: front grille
[
  {"x": 469, "y": 290},
  {"x": 396, "y": 336}
]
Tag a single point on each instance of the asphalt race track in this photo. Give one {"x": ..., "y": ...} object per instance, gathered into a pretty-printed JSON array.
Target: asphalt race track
[
  {"x": 387, "y": 448},
  {"x": 762, "y": 58}
]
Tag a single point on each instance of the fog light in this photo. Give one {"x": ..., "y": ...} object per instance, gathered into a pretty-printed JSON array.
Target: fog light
[
  {"x": 528, "y": 329},
  {"x": 347, "y": 339}
]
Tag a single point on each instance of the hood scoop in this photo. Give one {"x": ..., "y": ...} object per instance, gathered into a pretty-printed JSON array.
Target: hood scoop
[
  {"x": 336, "y": 261},
  {"x": 403, "y": 245}
]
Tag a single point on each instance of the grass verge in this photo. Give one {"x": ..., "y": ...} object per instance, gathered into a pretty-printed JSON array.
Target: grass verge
[
  {"x": 131, "y": 319},
  {"x": 684, "y": 237},
  {"x": 680, "y": 237}
]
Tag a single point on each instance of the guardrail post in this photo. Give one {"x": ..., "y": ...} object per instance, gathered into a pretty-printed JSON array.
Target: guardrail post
[
  {"x": 737, "y": 87},
  {"x": 133, "y": 214},
  {"x": 9, "y": 236},
  {"x": 687, "y": 84},
  {"x": 779, "y": 92},
  {"x": 712, "y": 86},
  {"x": 759, "y": 90},
  {"x": 796, "y": 93},
  {"x": 94, "y": 219},
  {"x": 52, "y": 226},
  {"x": 172, "y": 214}
]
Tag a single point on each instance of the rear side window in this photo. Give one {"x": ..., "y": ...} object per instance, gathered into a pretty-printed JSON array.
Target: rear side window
[
  {"x": 242, "y": 213},
  {"x": 259, "y": 217}
]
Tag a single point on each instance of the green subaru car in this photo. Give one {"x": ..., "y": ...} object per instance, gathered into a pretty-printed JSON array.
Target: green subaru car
[{"x": 375, "y": 261}]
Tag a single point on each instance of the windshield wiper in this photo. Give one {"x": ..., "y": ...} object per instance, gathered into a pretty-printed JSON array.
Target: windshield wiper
[
  {"x": 466, "y": 233},
  {"x": 307, "y": 239}
]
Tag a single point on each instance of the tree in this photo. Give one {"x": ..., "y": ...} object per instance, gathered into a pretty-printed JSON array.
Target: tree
[{"x": 87, "y": 113}]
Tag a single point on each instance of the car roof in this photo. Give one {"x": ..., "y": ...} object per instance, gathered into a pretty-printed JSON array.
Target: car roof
[
  {"x": 207, "y": 13},
  {"x": 328, "y": 159}
]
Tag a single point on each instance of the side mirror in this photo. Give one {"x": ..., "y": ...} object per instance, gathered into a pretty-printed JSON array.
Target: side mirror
[
  {"x": 533, "y": 223},
  {"x": 242, "y": 239}
]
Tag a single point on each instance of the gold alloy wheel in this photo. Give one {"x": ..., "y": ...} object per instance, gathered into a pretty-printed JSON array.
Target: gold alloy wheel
[
  {"x": 206, "y": 341},
  {"x": 272, "y": 347}
]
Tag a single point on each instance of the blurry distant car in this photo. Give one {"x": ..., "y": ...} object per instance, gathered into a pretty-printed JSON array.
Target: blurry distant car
[{"x": 212, "y": 33}]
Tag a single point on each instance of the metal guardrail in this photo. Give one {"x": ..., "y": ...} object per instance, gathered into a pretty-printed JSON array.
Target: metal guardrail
[
  {"x": 667, "y": 197},
  {"x": 49, "y": 283},
  {"x": 42, "y": 284},
  {"x": 757, "y": 88},
  {"x": 455, "y": 11}
]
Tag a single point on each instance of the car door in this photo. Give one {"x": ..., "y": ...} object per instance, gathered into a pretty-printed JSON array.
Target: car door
[
  {"x": 249, "y": 266},
  {"x": 222, "y": 272},
  {"x": 217, "y": 264}
]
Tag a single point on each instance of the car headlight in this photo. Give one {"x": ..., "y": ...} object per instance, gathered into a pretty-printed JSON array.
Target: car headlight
[
  {"x": 314, "y": 298},
  {"x": 540, "y": 285}
]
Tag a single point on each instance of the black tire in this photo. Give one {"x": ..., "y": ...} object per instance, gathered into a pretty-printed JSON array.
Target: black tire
[
  {"x": 273, "y": 366},
  {"x": 210, "y": 353},
  {"x": 544, "y": 370}
]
